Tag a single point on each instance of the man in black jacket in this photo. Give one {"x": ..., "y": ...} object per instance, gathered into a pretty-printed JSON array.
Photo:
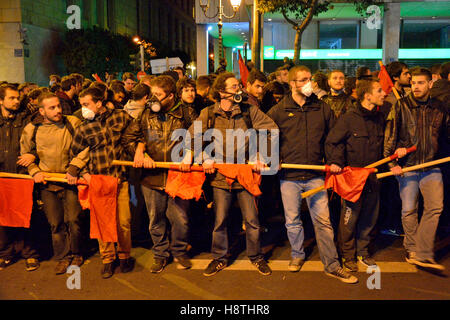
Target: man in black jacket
[
  {"x": 12, "y": 123},
  {"x": 304, "y": 122},
  {"x": 357, "y": 141},
  {"x": 420, "y": 121},
  {"x": 337, "y": 99},
  {"x": 155, "y": 126}
]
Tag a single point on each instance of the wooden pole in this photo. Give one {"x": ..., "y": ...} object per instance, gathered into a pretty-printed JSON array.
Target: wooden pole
[
  {"x": 373, "y": 165},
  {"x": 416, "y": 167},
  {"x": 393, "y": 88}
]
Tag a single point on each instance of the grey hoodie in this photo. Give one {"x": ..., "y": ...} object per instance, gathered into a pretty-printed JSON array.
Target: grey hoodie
[{"x": 133, "y": 109}]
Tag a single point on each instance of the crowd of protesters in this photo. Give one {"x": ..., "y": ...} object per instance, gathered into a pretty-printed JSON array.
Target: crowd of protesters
[{"x": 77, "y": 127}]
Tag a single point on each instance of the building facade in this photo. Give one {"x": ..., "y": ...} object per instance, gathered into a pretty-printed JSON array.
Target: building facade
[{"x": 31, "y": 30}]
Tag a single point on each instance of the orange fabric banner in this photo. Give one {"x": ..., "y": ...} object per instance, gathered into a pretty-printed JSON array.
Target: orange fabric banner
[
  {"x": 244, "y": 174},
  {"x": 16, "y": 202},
  {"x": 100, "y": 197},
  {"x": 188, "y": 185},
  {"x": 349, "y": 183},
  {"x": 185, "y": 185},
  {"x": 385, "y": 80}
]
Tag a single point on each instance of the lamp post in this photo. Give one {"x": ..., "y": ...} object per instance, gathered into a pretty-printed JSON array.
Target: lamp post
[
  {"x": 235, "y": 4},
  {"x": 144, "y": 46}
]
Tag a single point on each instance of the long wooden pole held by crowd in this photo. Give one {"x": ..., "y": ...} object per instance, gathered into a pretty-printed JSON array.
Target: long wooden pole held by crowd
[
  {"x": 416, "y": 167},
  {"x": 372, "y": 165},
  {"x": 49, "y": 177},
  {"x": 196, "y": 167}
]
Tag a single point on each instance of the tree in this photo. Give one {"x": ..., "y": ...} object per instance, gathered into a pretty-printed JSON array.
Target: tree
[
  {"x": 89, "y": 51},
  {"x": 303, "y": 12}
]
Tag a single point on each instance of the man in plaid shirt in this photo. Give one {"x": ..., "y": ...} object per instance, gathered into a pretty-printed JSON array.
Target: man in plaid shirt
[{"x": 101, "y": 132}]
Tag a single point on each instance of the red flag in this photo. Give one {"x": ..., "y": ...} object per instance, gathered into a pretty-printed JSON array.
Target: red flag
[
  {"x": 385, "y": 80},
  {"x": 244, "y": 174},
  {"x": 185, "y": 185},
  {"x": 16, "y": 202},
  {"x": 188, "y": 185},
  {"x": 242, "y": 69},
  {"x": 349, "y": 183},
  {"x": 101, "y": 199}
]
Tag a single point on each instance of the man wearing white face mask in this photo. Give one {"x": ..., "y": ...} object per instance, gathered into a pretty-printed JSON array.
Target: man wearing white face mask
[
  {"x": 102, "y": 132},
  {"x": 304, "y": 123}
]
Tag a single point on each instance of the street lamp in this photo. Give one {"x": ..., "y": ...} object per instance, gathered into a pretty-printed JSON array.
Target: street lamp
[
  {"x": 144, "y": 46},
  {"x": 235, "y": 4}
]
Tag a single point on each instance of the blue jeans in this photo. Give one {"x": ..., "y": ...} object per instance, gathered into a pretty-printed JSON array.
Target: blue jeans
[
  {"x": 320, "y": 216},
  {"x": 222, "y": 202},
  {"x": 163, "y": 209},
  {"x": 419, "y": 237}
]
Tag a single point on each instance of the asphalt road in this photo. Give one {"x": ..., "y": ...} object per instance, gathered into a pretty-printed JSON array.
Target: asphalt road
[{"x": 397, "y": 280}]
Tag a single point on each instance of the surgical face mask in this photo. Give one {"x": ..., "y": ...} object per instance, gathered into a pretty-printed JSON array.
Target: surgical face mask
[
  {"x": 87, "y": 113},
  {"x": 307, "y": 89}
]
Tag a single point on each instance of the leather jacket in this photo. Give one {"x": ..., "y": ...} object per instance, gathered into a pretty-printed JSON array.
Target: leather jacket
[
  {"x": 155, "y": 130},
  {"x": 412, "y": 123}
]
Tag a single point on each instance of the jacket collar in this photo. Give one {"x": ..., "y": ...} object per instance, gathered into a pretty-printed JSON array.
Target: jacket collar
[
  {"x": 235, "y": 110},
  {"x": 311, "y": 103}
]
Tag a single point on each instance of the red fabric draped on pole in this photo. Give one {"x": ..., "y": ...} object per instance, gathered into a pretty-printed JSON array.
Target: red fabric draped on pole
[
  {"x": 16, "y": 202},
  {"x": 100, "y": 197},
  {"x": 185, "y": 185},
  {"x": 385, "y": 80},
  {"x": 349, "y": 183},
  {"x": 188, "y": 185},
  {"x": 242, "y": 70}
]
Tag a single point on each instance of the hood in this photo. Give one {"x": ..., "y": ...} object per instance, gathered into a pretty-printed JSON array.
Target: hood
[{"x": 133, "y": 109}]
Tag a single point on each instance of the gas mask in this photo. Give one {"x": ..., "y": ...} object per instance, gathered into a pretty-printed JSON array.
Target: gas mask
[
  {"x": 239, "y": 96},
  {"x": 155, "y": 104},
  {"x": 307, "y": 89},
  {"x": 87, "y": 113}
]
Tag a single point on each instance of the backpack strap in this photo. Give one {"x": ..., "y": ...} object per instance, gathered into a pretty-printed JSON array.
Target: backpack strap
[{"x": 211, "y": 117}]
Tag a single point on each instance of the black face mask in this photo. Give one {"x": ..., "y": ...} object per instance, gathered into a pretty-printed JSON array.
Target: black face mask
[
  {"x": 238, "y": 97},
  {"x": 155, "y": 104}
]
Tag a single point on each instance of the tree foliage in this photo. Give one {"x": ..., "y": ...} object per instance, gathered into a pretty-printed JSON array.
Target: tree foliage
[{"x": 95, "y": 50}]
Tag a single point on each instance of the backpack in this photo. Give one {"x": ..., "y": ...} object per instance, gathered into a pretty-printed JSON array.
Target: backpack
[
  {"x": 245, "y": 109},
  {"x": 66, "y": 123}
]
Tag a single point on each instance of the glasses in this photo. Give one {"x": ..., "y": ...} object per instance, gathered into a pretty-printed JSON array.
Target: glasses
[
  {"x": 234, "y": 86},
  {"x": 300, "y": 81}
]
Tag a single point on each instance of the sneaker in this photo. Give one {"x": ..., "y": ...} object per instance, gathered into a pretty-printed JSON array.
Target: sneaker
[
  {"x": 411, "y": 257},
  {"x": 31, "y": 264},
  {"x": 392, "y": 232},
  {"x": 158, "y": 265},
  {"x": 77, "y": 261},
  {"x": 184, "y": 261},
  {"x": 296, "y": 264},
  {"x": 214, "y": 267},
  {"x": 126, "y": 265},
  {"x": 107, "y": 270},
  {"x": 4, "y": 263},
  {"x": 262, "y": 267},
  {"x": 342, "y": 275},
  {"x": 350, "y": 265},
  {"x": 429, "y": 263},
  {"x": 367, "y": 261},
  {"x": 61, "y": 267}
]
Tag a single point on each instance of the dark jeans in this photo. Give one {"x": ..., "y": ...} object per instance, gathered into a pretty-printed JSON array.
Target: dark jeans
[
  {"x": 222, "y": 202},
  {"x": 16, "y": 240},
  {"x": 63, "y": 210},
  {"x": 357, "y": 222},
  {"x": 162, "y": 210}
]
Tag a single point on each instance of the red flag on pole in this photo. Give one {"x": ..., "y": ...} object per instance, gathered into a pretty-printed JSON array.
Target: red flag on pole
[
  {"x": 242, "y": 69},
  {"x": 100, "y": 197},
  {"x": 16, "y": 202},
  {"x": 385, "y": 80},
  {"x": 349, "y": 183}
]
